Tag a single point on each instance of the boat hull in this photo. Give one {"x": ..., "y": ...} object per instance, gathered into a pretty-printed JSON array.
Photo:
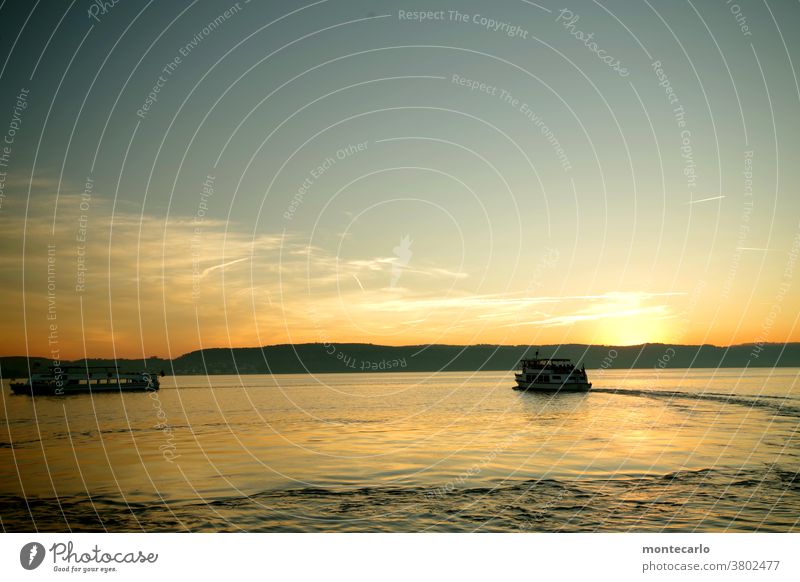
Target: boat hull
[
  {"x": 53, "y": 390},
  {"x": 552, "y": 387}
]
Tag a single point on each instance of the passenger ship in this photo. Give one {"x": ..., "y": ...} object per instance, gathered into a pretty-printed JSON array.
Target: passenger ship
[
  {"x": 61, "y": 380},
  {"x": 551, "y": 375}
]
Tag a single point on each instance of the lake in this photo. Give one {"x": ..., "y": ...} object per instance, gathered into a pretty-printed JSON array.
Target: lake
[{"x": 645, "y": 450}]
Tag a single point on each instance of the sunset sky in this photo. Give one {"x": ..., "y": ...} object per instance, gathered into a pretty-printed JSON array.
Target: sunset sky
[{"x": 217, "y": 174}]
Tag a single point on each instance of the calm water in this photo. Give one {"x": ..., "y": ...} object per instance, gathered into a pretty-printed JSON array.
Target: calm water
[{"x": 686, "y": 450}]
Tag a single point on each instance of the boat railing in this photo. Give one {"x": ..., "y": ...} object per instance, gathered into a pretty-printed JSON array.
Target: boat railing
[{"x": 563, "y": 363}]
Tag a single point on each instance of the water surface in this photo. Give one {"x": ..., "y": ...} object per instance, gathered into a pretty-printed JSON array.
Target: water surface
[{"x": 684, "y": 450}]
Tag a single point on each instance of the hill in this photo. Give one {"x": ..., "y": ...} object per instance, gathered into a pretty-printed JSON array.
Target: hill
[{"x": 357, "y": 357}]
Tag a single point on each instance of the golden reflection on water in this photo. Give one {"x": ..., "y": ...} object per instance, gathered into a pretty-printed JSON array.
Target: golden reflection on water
[
  {"x": 455, "y": 430},
  {"x": 416, "y": 433}
]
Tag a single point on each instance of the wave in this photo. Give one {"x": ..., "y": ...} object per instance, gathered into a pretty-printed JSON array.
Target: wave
[{"x": 760, "y": 498}]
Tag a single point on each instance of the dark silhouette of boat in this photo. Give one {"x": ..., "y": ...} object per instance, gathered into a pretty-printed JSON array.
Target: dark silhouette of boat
[
  {"x": 551, "y": 375},
  {"x": 63, "y": 380}
]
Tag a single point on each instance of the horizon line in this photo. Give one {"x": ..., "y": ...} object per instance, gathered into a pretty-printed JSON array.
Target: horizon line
[{"x": 786, "y": 343}]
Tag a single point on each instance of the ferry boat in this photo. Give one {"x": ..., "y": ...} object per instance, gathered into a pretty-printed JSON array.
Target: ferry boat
[
  {"x": 61, "y": 380},
  {"x": 551, "y": 375}
]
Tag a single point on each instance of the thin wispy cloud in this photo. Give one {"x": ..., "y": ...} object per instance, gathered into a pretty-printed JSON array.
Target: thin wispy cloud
[{"x": 656, "y": 310}]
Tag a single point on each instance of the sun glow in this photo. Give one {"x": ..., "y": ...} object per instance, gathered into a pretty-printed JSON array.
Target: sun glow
[{"x": 633, "y": 330}]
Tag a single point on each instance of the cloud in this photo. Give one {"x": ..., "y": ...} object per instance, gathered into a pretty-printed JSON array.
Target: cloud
[
  {"x": 156, "y": 285},
  {"x": 570, "y": 319}
]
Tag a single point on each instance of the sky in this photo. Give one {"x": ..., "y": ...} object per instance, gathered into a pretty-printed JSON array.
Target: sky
[{"x": 175, "y": 176}]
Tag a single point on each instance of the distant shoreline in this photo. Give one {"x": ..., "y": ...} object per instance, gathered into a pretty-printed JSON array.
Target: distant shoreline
[{"x": 359, "y": 358}]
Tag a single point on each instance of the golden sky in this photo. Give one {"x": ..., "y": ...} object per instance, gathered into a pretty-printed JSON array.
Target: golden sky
[{"x": 158, "y": 288}]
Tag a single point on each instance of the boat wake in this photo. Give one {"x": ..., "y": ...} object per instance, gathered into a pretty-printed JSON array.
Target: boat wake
[{"x": 783, "y": 406}]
